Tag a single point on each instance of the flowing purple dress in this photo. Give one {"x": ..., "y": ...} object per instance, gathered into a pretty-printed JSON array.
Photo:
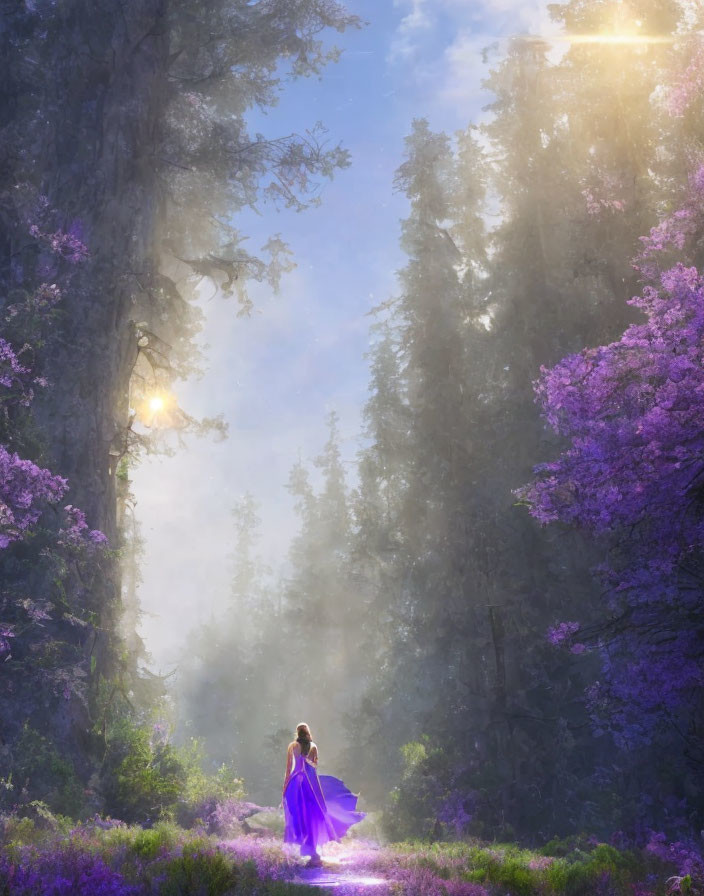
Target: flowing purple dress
[{"x": 317, "y": 808}]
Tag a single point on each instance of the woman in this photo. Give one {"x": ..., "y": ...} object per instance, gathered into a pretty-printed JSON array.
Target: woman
[{"x": 316, "y": 809}]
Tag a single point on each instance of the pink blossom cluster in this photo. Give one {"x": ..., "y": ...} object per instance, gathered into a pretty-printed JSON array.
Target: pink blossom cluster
[
  {"x": 596, "y": 204},
  {"x": 67, "y": 681},
  {"x": 634, "y": 411},
  {"x": 66, "y": 244},
  {"x": 689, "y": 85},
  {"x": 540, "y": 863},
  {"x": 159, "y": 735},
  {"x": 603, "y": 191}
]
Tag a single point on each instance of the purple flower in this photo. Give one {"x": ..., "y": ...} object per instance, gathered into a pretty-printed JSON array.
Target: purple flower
[
  {"x": 633, "y": 416},
  {"x": 24, "y": 490},
  {"x": 561, "y": 632},
  {"x": 76, "y": 533}
]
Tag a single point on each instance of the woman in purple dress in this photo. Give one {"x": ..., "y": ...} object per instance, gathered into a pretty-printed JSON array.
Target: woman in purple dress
[{"x": 317, "y": 808}]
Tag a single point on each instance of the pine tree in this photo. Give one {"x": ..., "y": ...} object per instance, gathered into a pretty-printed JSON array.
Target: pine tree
[{"x": 319, "y": 603}]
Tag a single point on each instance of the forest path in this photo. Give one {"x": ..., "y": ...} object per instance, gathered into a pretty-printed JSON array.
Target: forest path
[
  {"x": 339, "y": 874},
  {"x": 350, "y": 867}
]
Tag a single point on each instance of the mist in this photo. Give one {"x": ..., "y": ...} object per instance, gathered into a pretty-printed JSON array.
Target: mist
[{"x": 350, "y": 446}]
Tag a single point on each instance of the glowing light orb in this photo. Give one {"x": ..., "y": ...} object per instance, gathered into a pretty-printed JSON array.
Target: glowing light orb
[{"x": 156, "y": 403}]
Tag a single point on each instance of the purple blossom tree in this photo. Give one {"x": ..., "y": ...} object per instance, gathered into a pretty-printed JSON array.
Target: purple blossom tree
[
  {"x": 632, "y": 475},
  {"x": 47, "y": 630},
  {"x": 25, "y": 487},
  {"x": 690, "y": 81}
]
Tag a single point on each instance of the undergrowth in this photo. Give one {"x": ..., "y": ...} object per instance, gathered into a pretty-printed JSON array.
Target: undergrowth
[{"x": 104, "y": 857}]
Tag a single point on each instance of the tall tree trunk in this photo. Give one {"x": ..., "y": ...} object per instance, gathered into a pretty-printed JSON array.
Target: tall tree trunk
[{"x": 83, "y": 87}]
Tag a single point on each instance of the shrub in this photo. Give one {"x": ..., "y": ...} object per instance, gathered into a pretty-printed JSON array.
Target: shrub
[
  {"x": 517, "y": 878},
  {"x": 205, "y": 793},
  {"x": 199, "y": 872},
  {"x": 146, "y": 778},
  {"x": 141, "y": 779},
  {"x": 148, "y": 844}
]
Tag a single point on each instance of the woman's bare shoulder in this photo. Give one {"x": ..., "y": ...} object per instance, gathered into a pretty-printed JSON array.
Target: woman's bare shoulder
[{"x": 292, "y": 746}]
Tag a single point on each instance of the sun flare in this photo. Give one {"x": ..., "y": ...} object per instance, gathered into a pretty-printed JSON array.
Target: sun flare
[{"x": 618, "y": 38}]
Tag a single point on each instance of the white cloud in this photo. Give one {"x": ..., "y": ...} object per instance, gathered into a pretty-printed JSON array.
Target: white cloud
[
  {"x": 406, "y": 40},
  {"x": 463, "y": 64},
  {"x": 463, "y": 67},
  {"x": 446, "y": 40}
]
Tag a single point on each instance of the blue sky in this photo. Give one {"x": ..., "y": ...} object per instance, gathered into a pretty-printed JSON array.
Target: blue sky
[{"x": 275, "y": 375}]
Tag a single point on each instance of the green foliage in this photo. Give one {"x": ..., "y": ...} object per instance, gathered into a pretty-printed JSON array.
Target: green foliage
[
  {"x": 413, "y": 754},
  {"x": 122, "y": 473},
  {"x": 513, "y": 875},
  {"x": 147, "y": 778},
  {"x": 507, "y": 868},
  {"x": 201, "y": 872},
  {"x": 37, "y": 768},
  {"x": 200, "y": 785},
  {"x": 32, "y": 824},
  {"x": 412, "y": 809},
  {"x": 562, "y": 846},
  {"x": 149, "y": 843},
  {"x": 576, "y": 872},
  {"x": 142, "y": 779}
]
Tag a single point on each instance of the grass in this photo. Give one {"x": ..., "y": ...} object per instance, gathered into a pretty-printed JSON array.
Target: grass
[{"x": 107, "y": 858}]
